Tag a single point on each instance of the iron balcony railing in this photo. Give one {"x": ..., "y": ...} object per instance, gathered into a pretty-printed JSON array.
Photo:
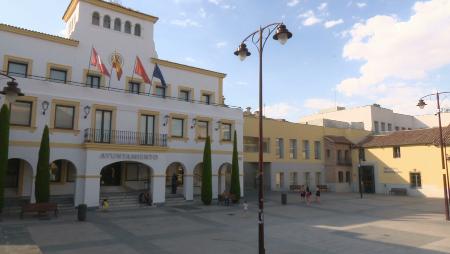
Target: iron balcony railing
[
  {"x": 344, "y": 162},
  {"x": 120, "y": 137}
]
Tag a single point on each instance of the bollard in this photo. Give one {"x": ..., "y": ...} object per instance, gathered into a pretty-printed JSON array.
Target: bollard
[{"x": 82, "y": 210}]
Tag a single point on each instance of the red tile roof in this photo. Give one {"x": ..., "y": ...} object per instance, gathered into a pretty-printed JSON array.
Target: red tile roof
[
  {"x": 410, "y": 137},
  {"x": 338, "y": 139}
]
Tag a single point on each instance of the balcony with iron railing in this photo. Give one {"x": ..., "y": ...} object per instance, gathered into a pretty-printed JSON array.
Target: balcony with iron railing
[
  {"x": 344, "y": 162},
  {"x": 120, "y": 137}
]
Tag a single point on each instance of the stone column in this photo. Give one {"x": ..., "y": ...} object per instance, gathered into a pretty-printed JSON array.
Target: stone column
[
  {"x": 215, "y": 186},
  {"x": 188, "y": 184},
  {"x": 159, "y": 189},
  {"x": 91, "y": 190}
]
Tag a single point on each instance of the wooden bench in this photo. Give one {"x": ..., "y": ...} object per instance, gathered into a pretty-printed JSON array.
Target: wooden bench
[
  {"x": 323, "y": 188},
  {"x": 398, "y": 191},
  {"x": 39, "y": 208},
  {"x": 295, "y": 188}
]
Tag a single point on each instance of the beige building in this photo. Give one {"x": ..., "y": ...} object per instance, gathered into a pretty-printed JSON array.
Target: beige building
[{"x": 372, "y": 118}]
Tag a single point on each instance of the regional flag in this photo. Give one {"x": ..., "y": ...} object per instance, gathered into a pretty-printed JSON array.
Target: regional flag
[
  {"x": 139, "y": 70},
  {"x": 97, "y": 62},
  {"x": 117, "y": 65},
  {"x": 158, "y": 74}
]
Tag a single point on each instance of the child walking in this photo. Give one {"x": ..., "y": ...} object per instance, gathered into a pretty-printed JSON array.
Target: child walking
[{"x": 245, "y": 206}]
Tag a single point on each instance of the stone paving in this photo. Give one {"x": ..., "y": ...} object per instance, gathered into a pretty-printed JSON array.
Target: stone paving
[{"x": 341, "y": 223}]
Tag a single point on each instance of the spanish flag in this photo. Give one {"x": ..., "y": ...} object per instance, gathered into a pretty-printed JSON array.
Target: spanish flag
[{"x": 117, "y": 65}]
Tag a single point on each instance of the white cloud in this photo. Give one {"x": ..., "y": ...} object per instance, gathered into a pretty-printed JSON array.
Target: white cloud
[
  {"x": 398, "y": 50},
  {"x": 293, "y": 3},
  {"x": 361, "y": 5},
  {"x": 309, "y": 18},
  {"x": 317, "y": 103},
  {"x": 221, "y": 44},
  {"x": 190, "y": 59},
  {"x": 322, "y": 6},
  {"x": 282, "y": 110},
  {"x": 221, "y": 4},
  {"x": 185, "y": 23},
  {"x": 332, "y": 23},
  {"x": 202, "y": 13}
]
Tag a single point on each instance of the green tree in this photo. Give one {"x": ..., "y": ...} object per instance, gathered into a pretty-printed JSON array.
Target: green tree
[
  {"x": 207, "y": 174},
  {"x": 235, "y": 187},
  {"x": 4, "y": 145},
  {"x": 42, "y": 190}
]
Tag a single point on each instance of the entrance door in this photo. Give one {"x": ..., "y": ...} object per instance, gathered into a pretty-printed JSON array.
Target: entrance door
[
  {"x": 368, "y": 179},
  {"x": 12, "y": 174},
  {"x": 111, "y": 175},
  {"x": 103, "y": 126}
]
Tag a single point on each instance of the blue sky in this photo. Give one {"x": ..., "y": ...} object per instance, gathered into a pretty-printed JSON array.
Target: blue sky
[{"x": 342, "y": 52}]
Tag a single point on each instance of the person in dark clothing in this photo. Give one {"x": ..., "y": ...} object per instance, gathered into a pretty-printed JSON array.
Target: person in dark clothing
[
  {"x": 308, "y": 195},
  {"x": 317, "y": 194},
  {"x": 174, "y": 183}
]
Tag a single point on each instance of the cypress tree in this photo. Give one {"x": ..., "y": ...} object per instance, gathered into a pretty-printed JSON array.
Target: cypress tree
[
  {"x": 42, "y": 183},
  {"x": 4, "y": 146},
  {"x": 235, "y": 187},
  {"x": 207, "y": 174}
]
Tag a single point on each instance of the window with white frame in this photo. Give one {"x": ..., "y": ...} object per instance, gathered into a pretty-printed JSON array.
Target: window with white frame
[
  {"x": 226, "y": 131},
  {"x": 293, "y": 178},
  {"x": 415, "y": 179},
  {"x": 21, "y": 112},
  {"x": 64, "y": 117},
  {"x": 292, "y": 149},
  {"x": 279, "y": 142},
  {"x": 177, "y": 127},
  {"x": 317, "y": 150},
  {"x": 306, "y": 151}
]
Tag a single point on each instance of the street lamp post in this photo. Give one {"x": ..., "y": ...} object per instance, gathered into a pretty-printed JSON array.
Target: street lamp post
[
  {"x": 445, "y": 177},
  {"x": 11, "y": 91},
  {"x": 259, "y": 39}
]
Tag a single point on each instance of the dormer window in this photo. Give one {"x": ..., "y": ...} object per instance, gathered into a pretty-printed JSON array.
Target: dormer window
[
  {"x": 137, "y": 30},
  {"x": 106, "y": 22},
  {"x": 128, "y": 27},
  {"x": 95, "y": 19},
  {"x": 117, "y": 24}
]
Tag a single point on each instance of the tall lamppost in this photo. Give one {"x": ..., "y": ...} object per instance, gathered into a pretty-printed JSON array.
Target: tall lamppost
[
  {"x": 259, "y": 39},
  {"x": 11, "y": 91},
  {"x": 445, "y": 177}
]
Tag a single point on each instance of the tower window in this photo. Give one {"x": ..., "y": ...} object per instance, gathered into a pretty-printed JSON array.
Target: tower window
[
  {"x": 106, "y": 22},
  {"x": 117, "y": 24},
  {"x": 95, "y": 19},
  {"x": 128, "y": 27},
  {"x": 137, "y": 30}
]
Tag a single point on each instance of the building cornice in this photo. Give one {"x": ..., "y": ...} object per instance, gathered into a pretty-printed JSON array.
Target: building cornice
[
  {"x": 110, "y": 6},
  {"x": 38, "y": 35},
  {"x": 188, "y": 68}
]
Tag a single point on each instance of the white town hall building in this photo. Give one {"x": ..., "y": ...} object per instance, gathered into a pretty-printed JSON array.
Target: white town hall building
[{"x": 109, "y": 135}]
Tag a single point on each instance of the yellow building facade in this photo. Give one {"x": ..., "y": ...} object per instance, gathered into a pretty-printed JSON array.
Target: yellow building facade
[
  {"x": 408, "y": 160},
  {"x": 296, "y": 154}
]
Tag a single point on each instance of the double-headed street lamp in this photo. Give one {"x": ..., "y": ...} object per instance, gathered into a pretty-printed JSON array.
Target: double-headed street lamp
[
  {"x": 11, "y": 91},
  {"x": 445, "y": 177},
  {"x": 259, "y": 39}
]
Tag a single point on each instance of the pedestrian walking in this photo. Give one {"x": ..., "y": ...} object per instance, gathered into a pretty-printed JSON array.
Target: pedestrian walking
[
  {"x": 245, "y": 206},
  {"x": 302, "y": 193},
  {"x": 308, "y": 195},
  {"x": 317, "y": 194}
]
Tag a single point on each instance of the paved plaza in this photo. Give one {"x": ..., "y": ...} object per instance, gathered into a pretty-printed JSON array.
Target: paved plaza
[{"x": 342, "y": 223}]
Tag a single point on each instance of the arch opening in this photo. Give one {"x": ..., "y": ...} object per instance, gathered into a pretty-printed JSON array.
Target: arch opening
[
  {"x": 198, "y": 171},
  {"x": 224, "y": 178},
  {"x": 175, "y": 179}
]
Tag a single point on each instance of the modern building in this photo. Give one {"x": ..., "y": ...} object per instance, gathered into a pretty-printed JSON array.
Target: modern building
[
  {"x": 409, "y": 160},
  {"x": 300, "y": 154},
  {"x": 110, "y": 135},
  {"x": 371, "y": 118}
]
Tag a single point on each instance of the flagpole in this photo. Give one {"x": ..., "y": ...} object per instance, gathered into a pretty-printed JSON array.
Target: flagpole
[
  {"x": 134, "y": 69},
  {"x": 89, "y": 65},
  {"x": 110, "y": 72}
]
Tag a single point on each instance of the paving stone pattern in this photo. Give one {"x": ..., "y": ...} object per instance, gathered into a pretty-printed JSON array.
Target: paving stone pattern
[{"x": 341, "y": 223}]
